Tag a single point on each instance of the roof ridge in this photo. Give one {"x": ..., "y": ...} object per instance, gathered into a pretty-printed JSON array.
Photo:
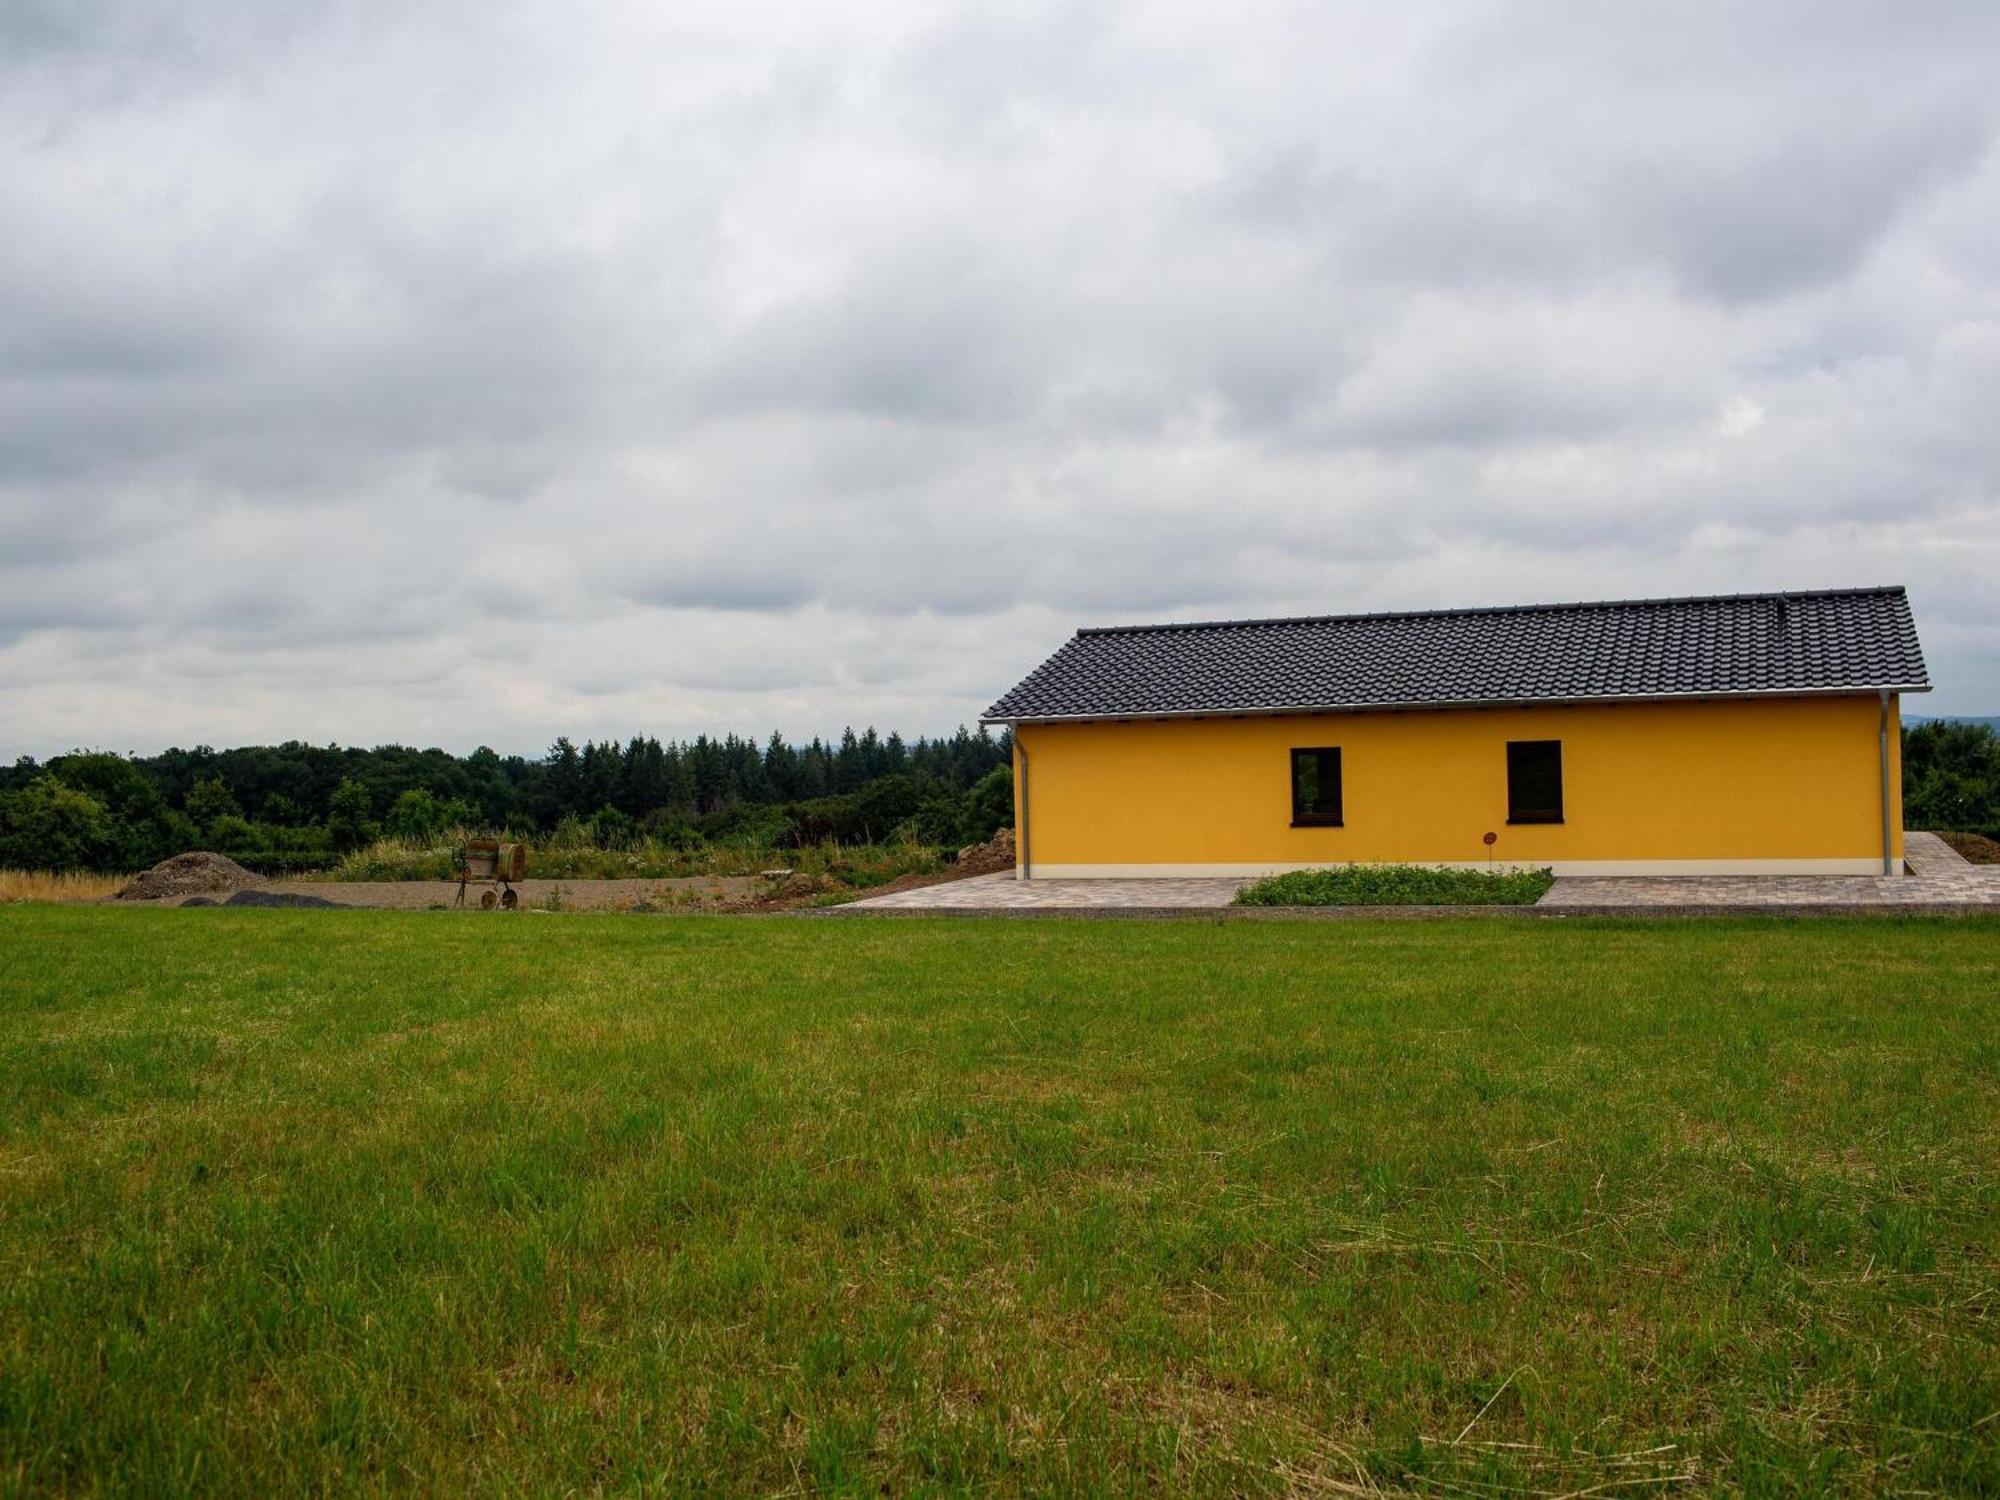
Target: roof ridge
[{"x": 1461, "y": 611}]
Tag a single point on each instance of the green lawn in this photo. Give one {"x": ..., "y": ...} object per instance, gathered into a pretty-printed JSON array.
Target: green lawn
[{"x": 333, "y": 1201}]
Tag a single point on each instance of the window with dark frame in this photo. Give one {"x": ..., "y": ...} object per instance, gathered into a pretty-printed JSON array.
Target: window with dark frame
[
  {"x": 1316, "y": 788},
  {"x": 1534, "y": 781}
]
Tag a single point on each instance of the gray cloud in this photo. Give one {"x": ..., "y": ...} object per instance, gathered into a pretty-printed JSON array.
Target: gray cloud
[{"x": 484, "y": 373}]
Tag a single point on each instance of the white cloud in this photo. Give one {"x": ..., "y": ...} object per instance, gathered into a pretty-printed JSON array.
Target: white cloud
[
  {"x": 463, "y": 373},
  {"x": 1739, "y": 417}
]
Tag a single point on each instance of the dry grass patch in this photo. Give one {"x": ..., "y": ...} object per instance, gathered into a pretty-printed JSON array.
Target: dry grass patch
[{"x": 66, "y": 887}]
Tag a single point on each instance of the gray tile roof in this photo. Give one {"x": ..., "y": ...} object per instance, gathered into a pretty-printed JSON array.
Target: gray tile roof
[{"x": 1836, "y": 640}]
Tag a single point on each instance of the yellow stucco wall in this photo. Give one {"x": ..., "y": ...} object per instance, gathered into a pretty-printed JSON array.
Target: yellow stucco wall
[{"x": 1731, "y": 782}]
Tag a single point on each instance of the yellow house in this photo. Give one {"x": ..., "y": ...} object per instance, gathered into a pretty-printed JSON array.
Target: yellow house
[{"x": 1737, "y": 734}]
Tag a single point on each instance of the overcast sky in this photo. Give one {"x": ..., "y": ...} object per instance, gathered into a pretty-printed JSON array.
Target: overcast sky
[{"x": 461, "y": 373}]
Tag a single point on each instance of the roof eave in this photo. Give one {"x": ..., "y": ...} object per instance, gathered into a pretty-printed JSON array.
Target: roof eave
[{"x": 1849, "y": 690}]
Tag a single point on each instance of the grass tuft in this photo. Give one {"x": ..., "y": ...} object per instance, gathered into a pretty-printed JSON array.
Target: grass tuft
[{"x": 1398, "y": 885}]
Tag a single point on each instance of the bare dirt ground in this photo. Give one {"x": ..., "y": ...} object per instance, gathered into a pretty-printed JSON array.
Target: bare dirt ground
[
  {"x": 700, "y": 893},
  {"x": 1976, "y": 848},
  {"x": 197, "y": 875},
  {"x": 726, "y": 893},
  {"x": 696, "y": 893}
]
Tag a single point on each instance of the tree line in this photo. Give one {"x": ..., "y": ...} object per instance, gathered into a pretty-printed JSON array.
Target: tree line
[
  {"x": 295, "y": 805},
  {"x": 1951, "y": 776}
]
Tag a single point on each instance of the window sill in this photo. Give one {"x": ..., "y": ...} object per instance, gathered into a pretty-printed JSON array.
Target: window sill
[
  {"x": 1533, "y": 822},
  {"x": 1317, "y": 823}
]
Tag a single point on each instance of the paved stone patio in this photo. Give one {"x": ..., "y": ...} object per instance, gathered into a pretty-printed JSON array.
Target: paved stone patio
[
  {"x": 1938, "y": 877},
  {"x": 1003, "y": 892}
]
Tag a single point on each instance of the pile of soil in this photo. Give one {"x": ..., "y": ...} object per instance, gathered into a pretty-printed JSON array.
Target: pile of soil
[
  {"x": 805, "y": 887},
  {"x": 1975, "y": 847},
  {"x": 196, "y": 874},
  {"x": 776, "y": 895},
  {"x": 989, "y": 858}
]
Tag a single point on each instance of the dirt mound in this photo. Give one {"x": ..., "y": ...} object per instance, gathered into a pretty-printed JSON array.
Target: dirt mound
[
  {"x": 197, "y": 874},
  {"x": 990, "y": 858},
  {"x": 1976, "y": 848},
  {"x": 996, "y": 854},
  {"x": 805, "y": 887}
]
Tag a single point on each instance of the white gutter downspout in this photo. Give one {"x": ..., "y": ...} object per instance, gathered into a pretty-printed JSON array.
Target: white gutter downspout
[
  {"x": 1882, "y": 752},
  {"x": 1021, "y": 833}
]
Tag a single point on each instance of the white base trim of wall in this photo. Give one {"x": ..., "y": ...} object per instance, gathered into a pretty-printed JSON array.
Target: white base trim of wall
[{"x": 1636, "y": 867}]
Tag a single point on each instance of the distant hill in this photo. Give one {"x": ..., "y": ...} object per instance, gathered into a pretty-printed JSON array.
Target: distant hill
[{"x": 1991, "y": 721}]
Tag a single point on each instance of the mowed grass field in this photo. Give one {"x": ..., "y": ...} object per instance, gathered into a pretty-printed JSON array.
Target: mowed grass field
[{"x": 364, "y": 1201}]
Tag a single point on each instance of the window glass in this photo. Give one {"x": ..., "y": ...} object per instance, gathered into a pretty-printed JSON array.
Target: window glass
[
  {"x": 1316, "y": 786},
  {"x": 1534, "y": 781}
]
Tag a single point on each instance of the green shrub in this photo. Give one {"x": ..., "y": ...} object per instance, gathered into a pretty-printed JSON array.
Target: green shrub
[
  {"x": 350, "y": 818},
  {"x": 283, "y": 811},
  {"x": 936, "y": 822},
  {"x": 1398, "y": 885},
  {"x": 270, "y": 848},
  {"x": 1951, "y": 775},
  {"x": 746, "y": 824},
  {"x": 989, "y": 806},
  {"x": 398, "y": 859},
  {"x": 420, "y": 816},
  {"x": 672, "y": 831},
  {"x": 612, "y": 829},
  {"x": 231, "y": 831},
  {"x": 49, "y": 825},
  {"x": 208, "y": 802},
  {"x": 143, "y": 828},
  {"x": 876, "y": 813}
]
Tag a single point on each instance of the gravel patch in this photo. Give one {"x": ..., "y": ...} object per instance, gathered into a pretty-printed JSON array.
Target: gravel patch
[{"x": 198, "y": 874}]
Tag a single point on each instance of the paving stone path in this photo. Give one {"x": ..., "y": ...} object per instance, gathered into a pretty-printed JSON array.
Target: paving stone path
[
  {"x": 1003, "y": 892},
  {"x": 1938, "y": 877}
]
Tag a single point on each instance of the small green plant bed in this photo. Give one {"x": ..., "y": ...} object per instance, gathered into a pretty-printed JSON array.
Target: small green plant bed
[{"x": 1398, "y": 885}]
